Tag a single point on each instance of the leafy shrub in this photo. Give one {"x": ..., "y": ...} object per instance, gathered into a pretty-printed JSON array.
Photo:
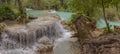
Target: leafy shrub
[
  {"x": 74, "y": 18},
  {"x": 7, "y": 13},
  {"x": 111, "y": 14},
  {"x": 61, "y": 9}
]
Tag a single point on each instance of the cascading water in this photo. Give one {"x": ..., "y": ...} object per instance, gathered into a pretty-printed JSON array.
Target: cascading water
[
  {"x": 44, "y": 35},
  {"x": 36, "y": 37},
  {"x": 66, "y": 44}
]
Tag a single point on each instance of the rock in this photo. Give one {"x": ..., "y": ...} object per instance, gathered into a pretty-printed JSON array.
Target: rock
[
  {"x": 45, "y": 45},
  {"x": 106, "y": 44},
  {"x": 96, "y": 33},
  {"x": 117, "y": 29},
  {"x": 44, "y": 40},
  {"x": 31, "y": 17},
  {"x": 56, "y": 17},
  {"x": 83, "y": 26},
  {"x": 64, "y": 22},
  {"x": 26, "y": 35}
]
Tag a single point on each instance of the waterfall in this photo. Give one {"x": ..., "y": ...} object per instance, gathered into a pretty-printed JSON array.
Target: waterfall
[{"x": 37, "y": 36}]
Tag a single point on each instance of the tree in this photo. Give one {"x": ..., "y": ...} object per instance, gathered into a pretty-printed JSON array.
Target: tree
[
  {"x": 107, "y": 24},
  {"x": 115, "y": 3},
  {"x": 87, "y": 8},
  {"x": 4, "y": 1},
  {"x": 21, "y": 9},
  {"x": 90, "y": 8}
]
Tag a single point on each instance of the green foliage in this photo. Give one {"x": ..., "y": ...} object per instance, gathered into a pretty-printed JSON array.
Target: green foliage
[
  {"x": 90, "y": 8},
  {"x": 105, "y": 30},
  {"x": 61, "y": 9},
  {"x": 7, "y": 13},
  {"x": 87, "y": 8},
  {"x": 74, "y": 18},
  {"x": 59, "y": 5},
  {"x": 23, "y": 20},
  {"x": 111, "y": 14}
]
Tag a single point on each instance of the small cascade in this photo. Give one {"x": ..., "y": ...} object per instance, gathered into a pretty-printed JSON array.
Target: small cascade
[
  {"x": 36, "y": 37},
  {"x": 66, "y": 44}
]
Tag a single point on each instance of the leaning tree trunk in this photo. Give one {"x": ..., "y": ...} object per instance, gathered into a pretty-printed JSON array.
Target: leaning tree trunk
[
  {"x": 107, "y": 24},
  {"x": 117, "y": 6}
]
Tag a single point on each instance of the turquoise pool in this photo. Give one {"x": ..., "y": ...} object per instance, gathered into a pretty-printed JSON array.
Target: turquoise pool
[
  {"x": 67, "y": 16},
  {"x": 64, "y": 15},
  {"x": 37, "y": 13},
  {"x": 101, "y": 23}
]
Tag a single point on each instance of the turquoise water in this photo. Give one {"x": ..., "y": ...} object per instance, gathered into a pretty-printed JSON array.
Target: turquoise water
[
  {"x": 67, "y": 16},
  {"x": 37, "y": 13},
  {"x": 64, "y": 15},
  {"x": 101, "y": 23}
]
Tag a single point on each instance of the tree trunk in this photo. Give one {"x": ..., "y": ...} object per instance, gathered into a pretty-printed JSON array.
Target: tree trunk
[
  {"x": 117, "y": 7},
  {"x": 2, "y": 1},
  {"x": 16, "y": 3},
  {"x": 38, "y": 4},
  {"x": 62, "y": 3},
  {"x": 107, "y": 24},
  {"x": 21, "y": 9},
  {"x": 8, "y": 1}
]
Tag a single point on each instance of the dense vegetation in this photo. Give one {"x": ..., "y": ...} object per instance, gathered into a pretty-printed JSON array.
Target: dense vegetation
[
  {"x": 83, "y": 21},
  {"x": 19, "y": 6},
  {"x": 7, "y": 12},
  {"x": 92, "y": 11},
  {"x": 96, "y": 9}
]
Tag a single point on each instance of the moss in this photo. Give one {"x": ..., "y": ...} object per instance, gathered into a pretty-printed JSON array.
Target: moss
[{"x": 2, "y": 26}]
